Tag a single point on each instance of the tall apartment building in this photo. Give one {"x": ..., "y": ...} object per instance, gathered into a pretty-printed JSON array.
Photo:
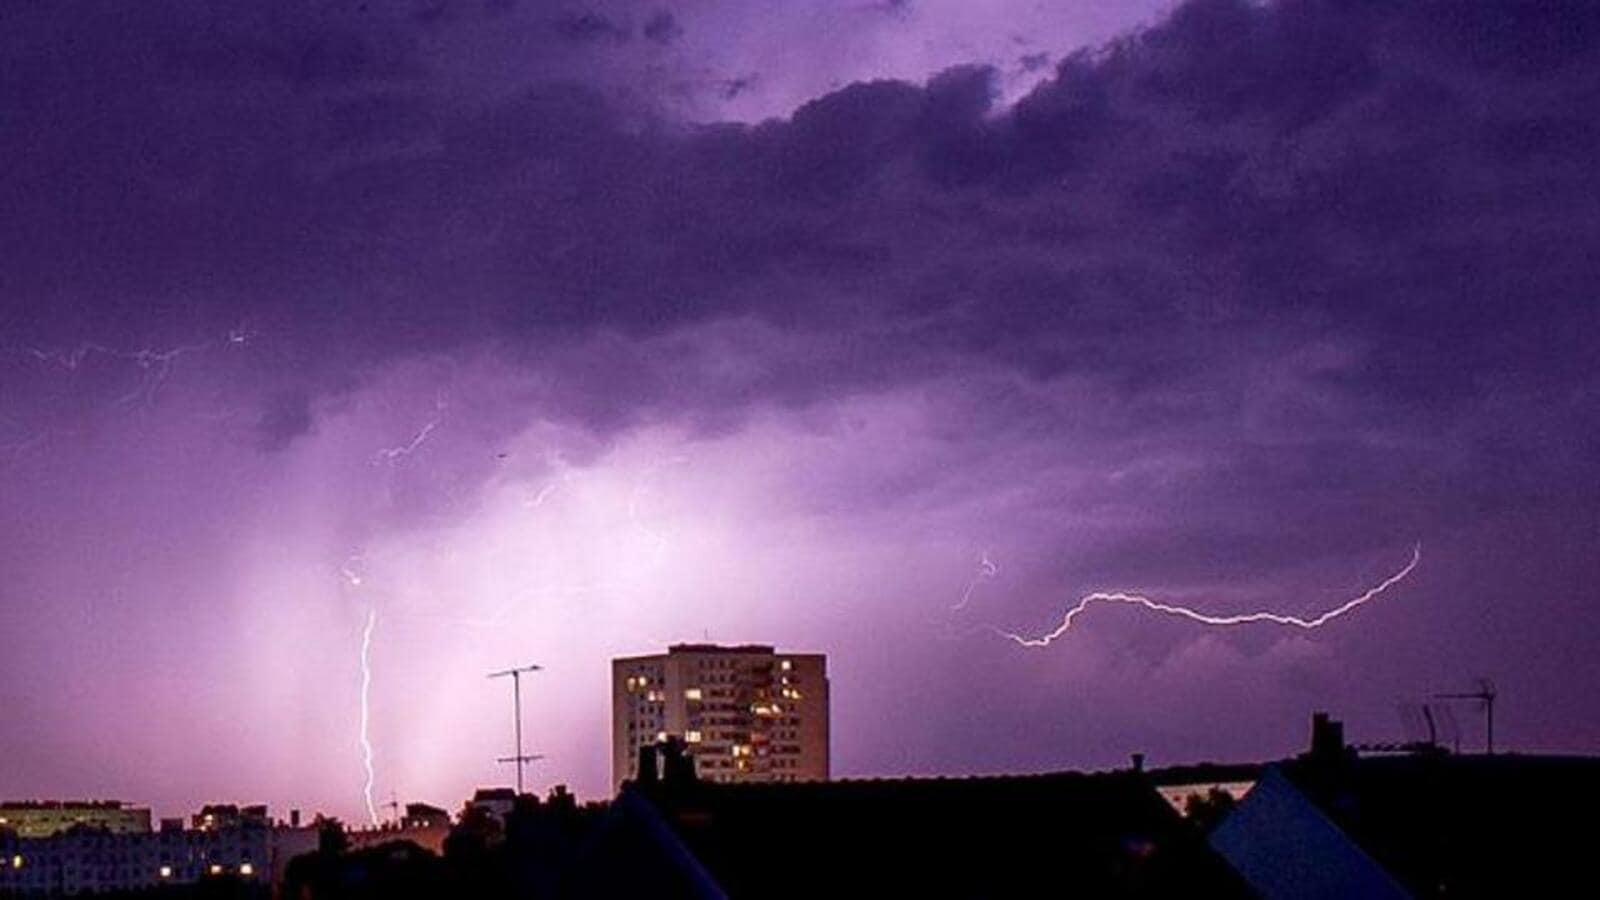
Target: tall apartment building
[{"x": 746, "y": 713}]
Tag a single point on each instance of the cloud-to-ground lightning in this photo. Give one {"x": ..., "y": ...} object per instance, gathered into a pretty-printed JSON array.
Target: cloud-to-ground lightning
[
  {"x": 350, "y": 572},
  {"x": 1274, "y": 618},
  {"x": 366, "y": 712}
]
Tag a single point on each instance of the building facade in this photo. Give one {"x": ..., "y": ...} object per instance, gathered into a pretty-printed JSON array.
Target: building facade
[
  {"x": 89, "y": 858},
  {"x": 746, "y": 713},
  {"x": 37, "y": 819}
]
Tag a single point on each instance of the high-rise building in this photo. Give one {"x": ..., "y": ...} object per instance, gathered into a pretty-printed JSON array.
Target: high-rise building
[{"x": 746, "y": 713}]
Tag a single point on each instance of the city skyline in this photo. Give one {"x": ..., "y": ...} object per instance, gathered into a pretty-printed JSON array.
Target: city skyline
[{"x": 1079, "y": 379}]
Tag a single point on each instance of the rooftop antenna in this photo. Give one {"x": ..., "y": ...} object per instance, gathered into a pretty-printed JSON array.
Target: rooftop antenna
[
  {"x": 1485, "y": 695},
  {"x": 1433, "y": 729},
  {"x": 516, "y": 702}
]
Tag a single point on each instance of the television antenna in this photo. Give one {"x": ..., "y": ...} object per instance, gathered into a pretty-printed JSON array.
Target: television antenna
[{"x": 516, "y": 701}]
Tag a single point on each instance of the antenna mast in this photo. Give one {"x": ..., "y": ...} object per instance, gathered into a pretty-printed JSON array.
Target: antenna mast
[
  {"x": 516, "y": 701},
  {"x": 1485, "y": 694}
]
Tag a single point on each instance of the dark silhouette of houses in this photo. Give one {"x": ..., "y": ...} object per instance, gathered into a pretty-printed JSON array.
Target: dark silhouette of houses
[
  {"x": 1332, "y": 823},
  {"x": 1094, "y": 835}
]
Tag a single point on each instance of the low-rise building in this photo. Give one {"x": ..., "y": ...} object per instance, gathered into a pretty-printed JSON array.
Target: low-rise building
[
  {"x": 90, "y": 858},
  {"x": 42, "y": 818}
]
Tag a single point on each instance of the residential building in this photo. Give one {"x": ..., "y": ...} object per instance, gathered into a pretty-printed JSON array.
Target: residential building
[
  {"x": 94, "y": 858},
  {"x": 42, "y": 818},
  {"x": 747, "y": 713},
  {"x": 1335, "y": 823},
  {"x": 1091, "y": 835}
]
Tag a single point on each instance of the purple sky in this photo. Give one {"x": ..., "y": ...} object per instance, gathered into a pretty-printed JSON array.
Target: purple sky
[{"x": 571, "y": 330}]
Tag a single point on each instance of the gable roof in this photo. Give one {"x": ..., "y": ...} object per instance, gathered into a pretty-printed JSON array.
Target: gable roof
[
  {"x": 1105, "y": 834},
  {"x": 1482, "y": 824},
  {"x": 1285, "y": 847}
]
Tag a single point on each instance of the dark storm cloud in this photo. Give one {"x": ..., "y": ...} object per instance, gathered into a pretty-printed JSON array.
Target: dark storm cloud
[
  {"x": 1233, "y": 311},
  {"x": 1237, "y": 183},
  {"x": 587, "y": 25},
  {"x": 662, "y": 27}
]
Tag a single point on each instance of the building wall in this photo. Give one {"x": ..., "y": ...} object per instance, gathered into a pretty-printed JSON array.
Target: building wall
[
  {"x": 428, "y": 837},
  {"x": 89, "y": 860},
  {"x": 746, "y": 713},
  {"x": 35, "y": 820}
]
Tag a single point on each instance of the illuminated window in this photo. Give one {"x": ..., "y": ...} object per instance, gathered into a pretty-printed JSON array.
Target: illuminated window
[
  {"x": 16, "y": 862},
  {"x": 692, "y": 694},
  {"x": 661, "y": 737},
  {"x": 246, "y": 869},
  {"x": 654, "y": 697},
  {"x": 166, "y": 871},
  {"x": 216, "y": 869},
  {"x": 692, "y": 737},
  {"x": 786, "y": 665}
]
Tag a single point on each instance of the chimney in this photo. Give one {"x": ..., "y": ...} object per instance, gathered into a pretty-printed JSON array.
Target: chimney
[
  {"x": 294, "y": 818},
  {"x": 678, "y": 765},
  {"x": 647, "y": 766},
  {"x": 1138, "y": 762},
  {"x": 1327, "y": 737}
]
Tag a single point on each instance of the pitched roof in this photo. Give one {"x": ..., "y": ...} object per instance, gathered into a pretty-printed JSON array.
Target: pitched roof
[
  {"x": 1463, "y": 821},
  {"x": 1105, "y": 834}
]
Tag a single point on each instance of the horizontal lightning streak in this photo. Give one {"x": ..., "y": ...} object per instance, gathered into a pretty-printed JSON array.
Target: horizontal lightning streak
[{"x": 1205, "y": 619}]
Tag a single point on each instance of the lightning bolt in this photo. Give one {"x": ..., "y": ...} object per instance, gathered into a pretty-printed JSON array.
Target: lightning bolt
[
  {"x": 157, "y": 364},
  {"x": 1204, "y": 619},
  {"x": 390, "y": 454},
  {"x": 366, "y": 709},
  {"x": 987, "y": 569}
]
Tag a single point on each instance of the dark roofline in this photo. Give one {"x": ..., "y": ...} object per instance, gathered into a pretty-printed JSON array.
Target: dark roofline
[
  {"x": 720, "y": 648},
  {"x": 1206, "y": 772},
  {"x": 69, "y": 804},
  {"x": 1105, "y": 776}
]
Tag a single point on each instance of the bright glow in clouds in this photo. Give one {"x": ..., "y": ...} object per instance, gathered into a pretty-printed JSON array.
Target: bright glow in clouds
[
  {"x": 1205, "y": 619},
  {"x": 515, "y": 536}
]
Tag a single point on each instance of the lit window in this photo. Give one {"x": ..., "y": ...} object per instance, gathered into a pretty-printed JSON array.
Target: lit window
[
  {"x": 16, "y": 862},
  {"x": 692, "y": 737},
  {"x": 692, "y": 694},
  {"x": 166, "y": 871},
  {"x": 246, "y": 869},
  {"x": 216, "y": 869},
  {"x": 661, "y": 737},
  {"x": 786, "y": 665},
  {"x": 654, "y": 697}
]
